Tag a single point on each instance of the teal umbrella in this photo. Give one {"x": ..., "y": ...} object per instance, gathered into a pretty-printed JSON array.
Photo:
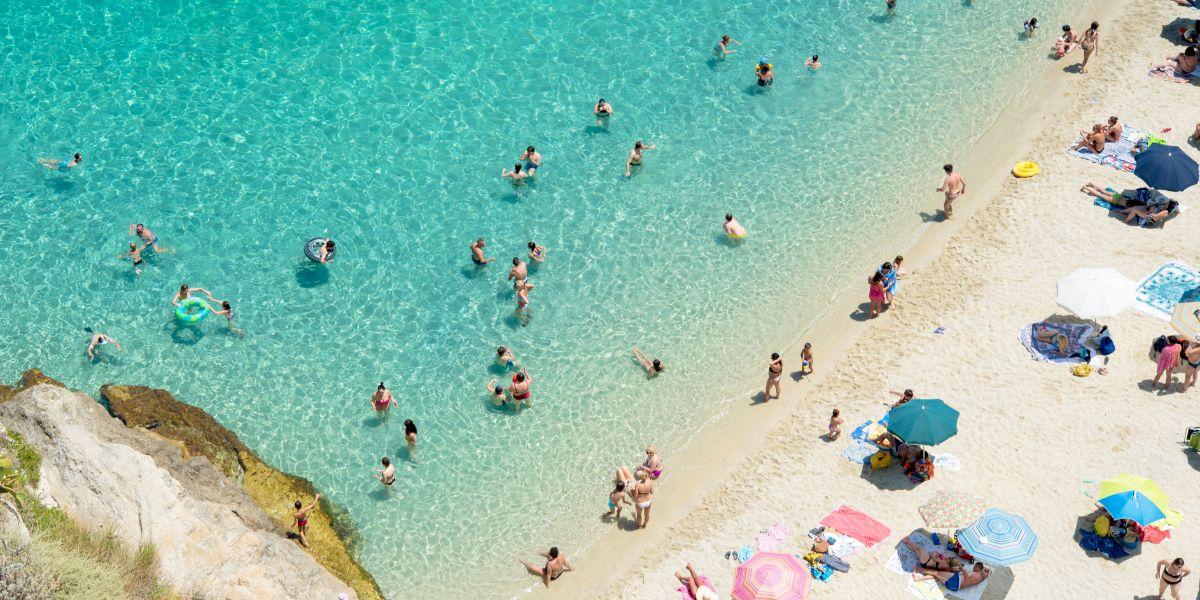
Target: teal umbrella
[{"x": 923, "y": 422}]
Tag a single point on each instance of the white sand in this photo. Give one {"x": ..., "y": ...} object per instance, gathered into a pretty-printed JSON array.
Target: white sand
[{"x": 1030, "y": 432}]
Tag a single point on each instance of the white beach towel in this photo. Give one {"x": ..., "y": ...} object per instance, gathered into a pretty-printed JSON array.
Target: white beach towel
[
  {"x": 1118, "y": 154},
  {"x": 947, "y": 462}
]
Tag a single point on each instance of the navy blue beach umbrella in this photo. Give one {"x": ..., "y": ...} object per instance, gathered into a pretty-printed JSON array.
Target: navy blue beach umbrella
[{"x": 1167, "y": 168}]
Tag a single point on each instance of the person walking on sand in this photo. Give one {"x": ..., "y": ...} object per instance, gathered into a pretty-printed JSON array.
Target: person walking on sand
[
  {"x": 61, "y": 164},
  {"x": 696, "y": 588},
  {"x": 99, "y": 339},
  {"x": 1191, "y": 363},
  {"x": 835, "y": 425},
  {"x": 953, "y": 186},
  {"x": 386, "y": 475},
  {"x": 1169, "y": 574},
  {"x": 1090, "y": 42},
  {"x": 643, "y": 497},
  {"x": 774, "y": 373},
  {"x": 806, "y": 358},
  {"x": 1168, "y": 360},
  {"x": 889, "y": 281},
  {"x": 300, "y": 518},
  {"x": 876, "y": 294},
  {"x": 635, "y": 156},
  {"x": 556, "y": 565},
  {"x": 410, "y": 435},
  {"x": 382, "y": 400},
  {"x": 477, "y": 256}
]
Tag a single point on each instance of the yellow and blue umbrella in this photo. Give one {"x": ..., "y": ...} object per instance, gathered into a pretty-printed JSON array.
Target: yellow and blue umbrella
[
  {"x": 1131, "y": 497},
  {"x": 999, "y": 538},
  {"x": 1186, "y": 316},
  {"x": 923, "y": 422}
]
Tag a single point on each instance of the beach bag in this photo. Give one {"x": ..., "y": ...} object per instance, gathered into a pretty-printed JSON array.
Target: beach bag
[
  {"x": 1101, "y": 526},
  {"x": 1193, "y": 438},
  {"x": 1081, "y": 370},
  {"x": 881, "y": 460},
  {"x": 1107, "y": 346}
]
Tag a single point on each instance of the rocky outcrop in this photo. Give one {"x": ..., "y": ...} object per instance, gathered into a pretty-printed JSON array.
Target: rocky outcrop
[
  {"x": 210, "y": 537},
  {"x": 29, "y": 379},
  {"x": 330, "y": 530}
]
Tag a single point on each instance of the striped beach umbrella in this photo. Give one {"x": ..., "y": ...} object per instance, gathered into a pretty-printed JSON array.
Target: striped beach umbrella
[
  {"x": 1186, "y": 316},
  {"x": 772, "y": 576},
  {"x": 999, "y": 538},
  {"x": 1131, "y": 497},
  {"x": 951, "y": 510}
]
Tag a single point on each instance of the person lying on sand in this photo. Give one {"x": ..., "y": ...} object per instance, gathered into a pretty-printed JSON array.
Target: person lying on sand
[
  {"x": 958, "y": 581},
  {"x": 927, "y": 561},
  {"x": 1154, "y": 213},
  {"x": 696, "y": 587},
  {"x": 1181, "y": 64},
  {"x": 1093, "y": 141},
  {"x": 1047, "y": 335}
]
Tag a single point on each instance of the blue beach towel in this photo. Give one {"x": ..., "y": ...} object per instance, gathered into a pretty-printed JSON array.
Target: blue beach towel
[
  {"x": 1118, "y": 154},
  {"x": 1159, "y": 292},
  {"x": 1048, "y": 351},
  {"x": 860, "y": 450}
]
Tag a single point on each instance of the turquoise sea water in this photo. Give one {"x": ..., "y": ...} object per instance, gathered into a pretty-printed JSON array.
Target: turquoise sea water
[{"x": 236, "y": 130}]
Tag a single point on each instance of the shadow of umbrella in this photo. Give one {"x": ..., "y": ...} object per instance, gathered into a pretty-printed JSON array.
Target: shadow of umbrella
[{"x": 1170, "y": 31}]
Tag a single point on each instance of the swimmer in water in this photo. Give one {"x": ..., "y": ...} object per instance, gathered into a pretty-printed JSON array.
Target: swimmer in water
[
  {"x": 135, "y": 254},
  {"x": 227, "y": 312},
  {"x": 147, "y": 236},
  {"x": 1031, "y": 27},
  {"x": 518, "y": 273},
  {"x": 325, "y": 251},
  {"x": 185, "y": 292},
  {"x": 523, "y": 290},
  {"x": 721, "y": 50},
  {"x": 99, "y": 339},
  {"x": 814, "y": 62},
  {"x": 536, "y": 252},
  {"x": 766, "y": 77},
  {"x": 477, "y": 256},
  {"x": 732, "y": 228},
  {"x": 533, "y": 160},
  {"x": 635, "y": 156},
  {"x": 652, "y": 366},
  {"x": 517, "y": 177},
  {"x": 506, "y": 359},
  {"x": 521, "y": 388},
  {"x": 386, "y": 475},
  {"x": 496, "y": 392},
  {"x": 382, "y": 400},
  {"x": 410, "y": 435},
  {"x": 891, "y": 6},
  {"x": 603, "y": 111},
  {"x": 61, "y": 164}
]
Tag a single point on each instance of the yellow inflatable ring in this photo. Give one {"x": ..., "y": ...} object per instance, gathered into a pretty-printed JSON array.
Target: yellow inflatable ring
[{"x": 1026, "y": 169}]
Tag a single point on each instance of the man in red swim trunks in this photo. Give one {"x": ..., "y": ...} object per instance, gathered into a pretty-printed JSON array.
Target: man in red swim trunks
[
  {"x": 519, "y": 390},
  {"x": 301, "y": 518}
]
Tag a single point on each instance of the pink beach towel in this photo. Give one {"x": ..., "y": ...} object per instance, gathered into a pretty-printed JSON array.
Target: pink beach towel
[
  {"x": 857, "y": 525},
  {"x": 773, "y": 539},
  {"x": 1154, "y": 535},
  {"x": 684, "y": 594},
  {"x": 1169, "y": 358}
]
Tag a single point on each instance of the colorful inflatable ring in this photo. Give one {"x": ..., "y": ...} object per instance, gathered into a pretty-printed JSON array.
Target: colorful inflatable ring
[
  {"x": 1026, "y": 169},
  {"x": 310, "y": 250},
  {"x": 192, "y": 310}
]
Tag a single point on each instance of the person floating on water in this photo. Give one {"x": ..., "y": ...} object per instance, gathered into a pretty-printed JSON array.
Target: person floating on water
[
  {"x": 732, "y": 228},
  {"x": 603, "y": 111},
  {"x": 477, "y": 256},
  {"x": 766, "y": 76},
  {"x": 99, "y": 339},
  {"x": 61, "y": 164},
  {"x": 382, "y": 400},
  {"x": 185, "y": 292},
  {"x": 652, "y": 366},
  {"x": 721, "y": 50},
  {"x": 635, "y": 156},
  {"x": 324, "y": 252},
  {"x": 953, "y": 186},
  {"x": 300, "y": 518},
  {"x": 891, "y": 6},
  {"x": 536, "y": 252},
  {"x": 813, "y": 63},
  {"x": 533, "y": 160},
  {"x": 135, "y": 254},
  {"x": 517, "y": 177}
]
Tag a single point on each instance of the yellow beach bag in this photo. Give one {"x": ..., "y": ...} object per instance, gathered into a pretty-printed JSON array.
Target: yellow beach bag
[
  {"x": 881, "y": 460},
  {"x": 1026, "y": 169}
]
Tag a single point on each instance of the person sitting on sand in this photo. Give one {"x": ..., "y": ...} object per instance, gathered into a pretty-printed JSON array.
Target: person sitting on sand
[
  {"x": 1093, "y": 141},
  {"x": 696, "y": 588},
  {"x": 835, "y": 425},
  {"x": 61, "y": 164},
  {"x": 1152, "y": 214},
  {"x": 732, "y": 228},
  {"x": 652, "y": 366},
  {"x": 99, "y": 339},
  {"x": 300, "y": 518},
  {"x": 616, "y": 499},
  {"x": 905, "y": 396},
  {"x": 957, "y": 581},
  {"x": 1065, "y": 42},
  {"x": 927, "y": 561},
  {"x": 1180, "y": 65},
  {"x": 1046, "y": 335},
  {"x": 1114, "y": 130},
  {"x": 556, "y": 565},
  {"x": 625, "y": 476}
]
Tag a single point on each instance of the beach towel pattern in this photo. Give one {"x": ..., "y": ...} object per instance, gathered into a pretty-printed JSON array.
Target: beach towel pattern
[
  {"x": 684, "y": 594},
  {"x": 1167, "y": 73},
  {"x": 1159, "y": 292},
  {"x": 1048, "y": 351},
  {"x": 947, "y": 462},
  {"x": 1118, "y": 154},
  {"x": 860, "y": 450}
]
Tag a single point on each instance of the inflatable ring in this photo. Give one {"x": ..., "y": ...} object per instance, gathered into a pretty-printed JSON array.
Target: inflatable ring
[
  {"x": 1026, "y": 169},
  {"x": 310, "y": 250},
  {"x": 192, "y": 310},
  {"x": 736, "y": 236}
]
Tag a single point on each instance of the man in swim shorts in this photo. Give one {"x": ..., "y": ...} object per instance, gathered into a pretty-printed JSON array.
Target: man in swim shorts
[
  {"x": 99, "y": 339},
  {"x": 386, "y": 475},
  {"x": 953, "y": 186},
  {"x": 603, "y": 111},
  {"x": 533, "y": 160},
  {"x": 556, "y": 565},
  {"x": 518, "y": 273},
  {"x": 147, "y": 236},
  {"x": 300, "y": 518},
  {"x": 635, "y": 156},
  {"x": 477, "y": 256}
]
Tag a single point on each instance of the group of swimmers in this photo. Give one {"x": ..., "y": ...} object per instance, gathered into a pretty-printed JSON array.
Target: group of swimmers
[{"x": 520, "y": 391}]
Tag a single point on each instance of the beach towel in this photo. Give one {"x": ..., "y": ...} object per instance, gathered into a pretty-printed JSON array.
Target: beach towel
[
  {"x": 773, "y": 539},
  {"x": 684, "y": 594},
  {"x": 948, "y": 462},
  {"x": 860, "y": 452},
  {"x": 1118, "y": 154},
  {"x": 904, "y": 562},
  {"x": 1167, "y": 73},
  {"x": 845, "y": 546},
  {"x": 1048, "y": 351},
  {"x": 1159, "y": 292},
  {"x": 1154, "y": 535},
  {"x": 857, "y": 525}
]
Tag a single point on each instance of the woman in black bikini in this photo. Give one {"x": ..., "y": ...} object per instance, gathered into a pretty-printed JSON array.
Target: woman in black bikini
[
  {"x": 774, "y": 373},
  {"x": 931, "y": 562},
  {"x": 1191, "y": 363},
  {"x": 1170, "y": 574}
]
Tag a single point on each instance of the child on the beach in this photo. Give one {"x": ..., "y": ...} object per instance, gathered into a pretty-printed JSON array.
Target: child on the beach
[
  {"x": 806, "y": 358},
  {"x": 835, "y": 425},
  {"x": 616, "y": 499}
]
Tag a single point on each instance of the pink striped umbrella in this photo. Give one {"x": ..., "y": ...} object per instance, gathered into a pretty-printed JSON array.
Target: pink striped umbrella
[{"x": 772, "y": 576}]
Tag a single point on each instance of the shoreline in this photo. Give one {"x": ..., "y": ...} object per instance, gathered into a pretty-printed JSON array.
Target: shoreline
[{"x": 728, "y": 440}]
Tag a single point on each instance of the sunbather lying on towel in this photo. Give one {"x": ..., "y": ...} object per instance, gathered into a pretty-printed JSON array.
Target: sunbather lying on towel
[
  {"x": 1093, "y": 141},
  {"x": 1047, "y": 335},
  {"x": 1113, "y": 198},
  {"x": 957, "y": 581},
  {"x": 1152, "y": 214},
  {"x": 932, "y": 561},
  {"x": 695, "y": 585}
]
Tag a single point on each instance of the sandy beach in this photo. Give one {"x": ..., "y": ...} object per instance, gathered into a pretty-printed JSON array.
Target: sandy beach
[{"x": 1031, "y": 434}]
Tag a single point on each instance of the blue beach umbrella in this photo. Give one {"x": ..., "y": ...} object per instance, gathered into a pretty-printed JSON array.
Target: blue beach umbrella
[
  {"x": 999, "y": 538},
  {"x": 923, "y": 422},
  {"x": 1167, "y": 168}
]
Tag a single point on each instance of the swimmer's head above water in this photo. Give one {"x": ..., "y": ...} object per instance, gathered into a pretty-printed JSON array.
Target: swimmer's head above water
[{"x": 657, "y": 364}]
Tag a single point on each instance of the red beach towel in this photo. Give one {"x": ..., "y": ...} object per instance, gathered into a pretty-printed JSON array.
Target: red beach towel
[
  {"x": 1154, "y": 535},
  {"x": 857, "y": 525}
]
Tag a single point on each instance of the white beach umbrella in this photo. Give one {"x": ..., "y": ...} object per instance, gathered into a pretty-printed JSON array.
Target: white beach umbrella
[{"x": 1092, "y": 293}]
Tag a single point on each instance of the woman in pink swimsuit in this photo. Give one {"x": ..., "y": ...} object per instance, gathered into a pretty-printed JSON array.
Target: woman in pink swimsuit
[
  {"x": 382, "y": 400},
  {"x": 876, "y": 294}
]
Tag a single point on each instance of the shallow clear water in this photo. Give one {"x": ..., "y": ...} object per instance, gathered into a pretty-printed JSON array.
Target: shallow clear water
[{"x": 236, "y": 130}]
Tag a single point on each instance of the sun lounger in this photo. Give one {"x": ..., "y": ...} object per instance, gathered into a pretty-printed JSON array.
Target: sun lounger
[{"x": 1118, "y": 154}]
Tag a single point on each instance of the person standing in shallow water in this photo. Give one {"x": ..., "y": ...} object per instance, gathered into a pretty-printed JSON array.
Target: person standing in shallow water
[
  {"x": 382, "y": 400},
  {"x": 1090, "y": 42},
  {"x": 386, "y": 475},
  {"x": 635, "y": 157},
  {"x": 410, "y": 435},
  {"x": 300, "y": 518},
  {"x": 953, "y": 186},
  {"x": 603, "y": 110},
  {"x": 774, "y": 373},
  {"x": 477, "y": 256}
]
